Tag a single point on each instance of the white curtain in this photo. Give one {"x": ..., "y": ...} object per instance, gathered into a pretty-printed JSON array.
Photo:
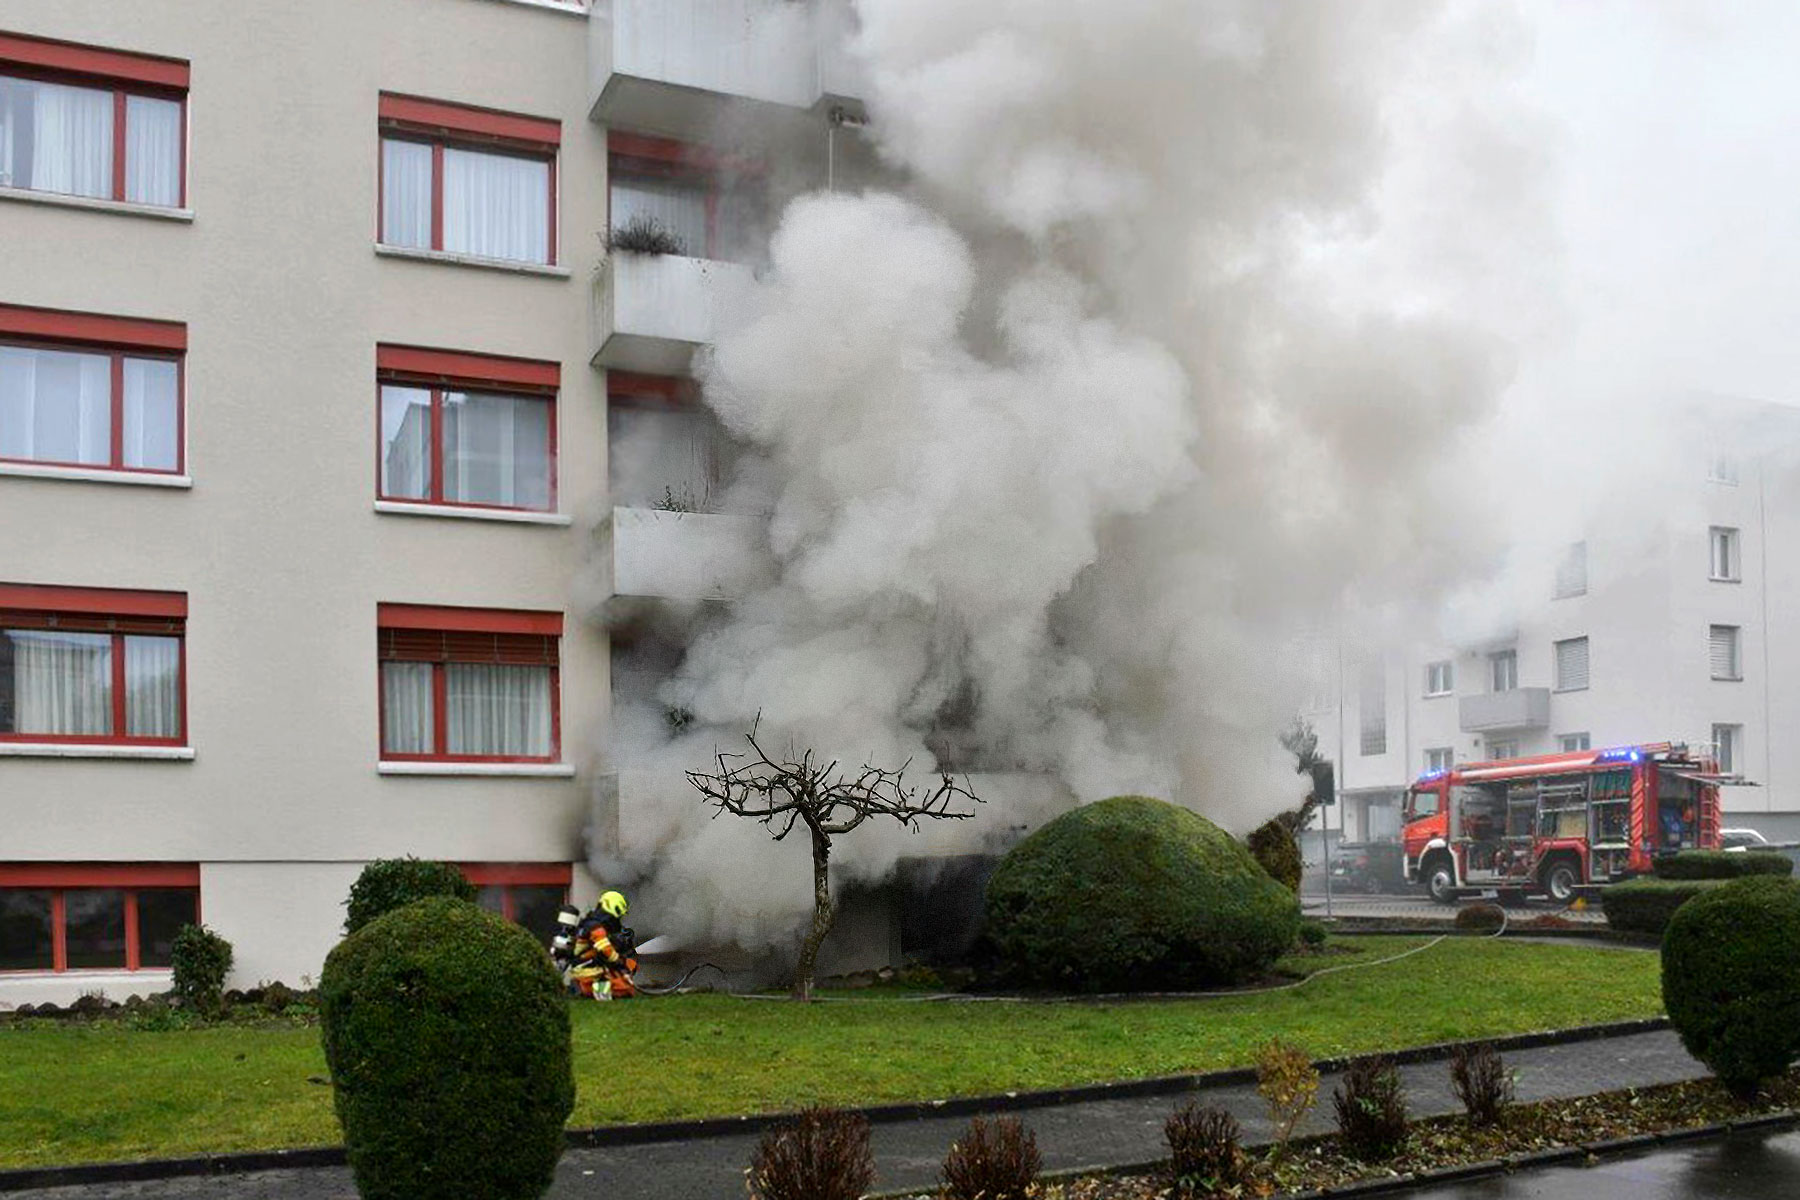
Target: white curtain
[
  {"x": 496, "y": 206},
  {"x": 152, "y": 421},
  {"x": 55, "y": 406},
  {"x": 405, "y": 194},
  {"x": 71, "y": 140},
  {"x": 62, "y": 682},
  {"x": 406, "y": 708},
  {"x": 406, "y": 442},
  {"x": 153, "y": 687},
  {"x": 679, "y": 208},
  {"x": 152, "y": 150},
  {"x": 497, "y": 450},
  {"x": 498, "y": 710}
]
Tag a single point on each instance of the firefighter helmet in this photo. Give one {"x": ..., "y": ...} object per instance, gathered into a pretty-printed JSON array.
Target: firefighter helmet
[{"x": 613, "y": 904}]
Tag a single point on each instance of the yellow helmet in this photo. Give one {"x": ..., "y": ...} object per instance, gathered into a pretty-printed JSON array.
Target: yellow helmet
[{"x": 613, "y": 904}]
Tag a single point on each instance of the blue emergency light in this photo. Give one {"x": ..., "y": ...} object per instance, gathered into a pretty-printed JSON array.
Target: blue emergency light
[{"x": 1623, "y": 754}]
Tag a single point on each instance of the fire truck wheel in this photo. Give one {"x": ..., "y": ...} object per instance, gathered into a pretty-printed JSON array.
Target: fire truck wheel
[
  {"x": 1560, "y": 879},
  {"x": 1440, "y": 881}
]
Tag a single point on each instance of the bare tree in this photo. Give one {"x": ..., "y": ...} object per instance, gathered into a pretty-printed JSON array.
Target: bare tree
[{"x": 790, "y": 791}]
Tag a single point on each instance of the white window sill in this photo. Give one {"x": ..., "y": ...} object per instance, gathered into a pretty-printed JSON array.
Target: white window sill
[
  {"x": 1725, "y": 579},
  {"x": 95, "y": 475},
  {"x": 469, "y": 260},
  {"x": 78, "y": 750},
  {"x": 92, "y": 204},
  {"x": 522, "y": 770},
  {"x": 401, "y": 508},
  {"x": 573, "y": 10}
]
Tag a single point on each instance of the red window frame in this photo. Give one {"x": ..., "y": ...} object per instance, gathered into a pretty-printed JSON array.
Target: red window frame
[
  {"x": 441, "y": 371},
  {"x": 440, "y": 635},
  {"x": 101, "y": 610},
  {"x": 61, "y": 878},
  {"x": 123, "y": 72},
  {"x": 673, "y": 161},
  {"x": 120, "y": 338},
  {"x": 507, "y": 876},
  {"x": 441, "y": 124}
]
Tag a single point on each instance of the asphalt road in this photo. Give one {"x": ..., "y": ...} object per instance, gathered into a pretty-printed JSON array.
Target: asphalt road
[
  {"x": 1739, "y": 1166},
  {"x": 1423, "y": 908}
]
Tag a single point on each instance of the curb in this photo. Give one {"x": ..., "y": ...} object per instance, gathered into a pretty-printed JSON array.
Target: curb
[{"x": 604, "y": 1136}]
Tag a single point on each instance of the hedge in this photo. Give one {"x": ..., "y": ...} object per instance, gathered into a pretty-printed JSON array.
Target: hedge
[
  {"x": 1722, "y": 864},
  {"x": 390, "y": 883},
  {"x": 1645, "y": 905},
  {"x": 447, "y": 1034},
  {"x": 1274, "y": 847},
  {"x": 1135, "y": 894}
]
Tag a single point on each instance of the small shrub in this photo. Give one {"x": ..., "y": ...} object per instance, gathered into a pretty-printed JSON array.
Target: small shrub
[
  {"x": 1480, "y": 918},
  {"x": 1645, "y": 905},
  {"x": 390, "y": 883},
  {"x": 1204, "y": 1156},
  {"x": 1312, "y": 933},
  {"x": 1718, "y": 864},
  {"x": 822, "y": 1154},
  {"x": 1481, "y": 1081},
  {"x": 277, "y": 997},
  {"x": 1731, "y": 979},
  {"x": 995, "y": 1160},
  {"x": 1288, "y": 1083},
  {"x": 644, "y": 234},
  {"x": 200, "y": 960},
  {"x": 1371, "y": 1109},
  {"x": 1276, "y": 850}
]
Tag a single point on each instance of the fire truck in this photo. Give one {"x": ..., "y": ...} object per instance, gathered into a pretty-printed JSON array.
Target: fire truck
[{"x": 1556, "y": 823}]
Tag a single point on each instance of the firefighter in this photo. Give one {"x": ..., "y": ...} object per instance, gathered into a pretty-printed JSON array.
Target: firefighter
[{"x": 602, "y": 952}]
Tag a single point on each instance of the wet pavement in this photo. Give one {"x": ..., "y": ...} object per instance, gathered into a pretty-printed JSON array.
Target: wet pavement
[
  {"x": 908, "y": 1153},
  {"x": 1739, "y": 1166},
  {"x": 1423, "y": 909}
]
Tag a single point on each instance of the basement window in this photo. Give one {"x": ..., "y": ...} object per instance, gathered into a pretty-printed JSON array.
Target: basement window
[{"x": 94, "y": 917}]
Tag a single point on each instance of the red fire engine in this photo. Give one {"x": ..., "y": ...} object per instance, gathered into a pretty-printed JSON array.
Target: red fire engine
[{"x": 1556, "y": 822}]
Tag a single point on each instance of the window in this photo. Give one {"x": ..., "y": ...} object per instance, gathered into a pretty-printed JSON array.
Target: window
[
  {"x": 706, "y": 202},
  {"x": 1571, "y": 572},
  {"x": 1439, "y": 758},
  {"x": 82, "y": 121},
  {"x": 1440, "y": 678},
  {"x": 467, "y": 180},
  {"x": 79, "y": 390},
  {"x": 1723, "y": 646},
  {"x": 664, "y": 449},
  {"x": 1503, "y": 670},
  {"x": 92, "y": 665},
  {"x": 76, "y": 917},
  {"x": 1724, "y": 554},
  {"x": 1572, "y": 664},
  {"x": 1568, "y": 743},
  {"x": 1728, "y": 742},
  {"x": 466, "y": 430},
  {"x": 1373, "y": 709},
  {"x": 529, "y": 894},
  {"x": 1722, "y": 467},
  {"x": 1498, "y": 751},
  {"x": 468, "y": 684}
]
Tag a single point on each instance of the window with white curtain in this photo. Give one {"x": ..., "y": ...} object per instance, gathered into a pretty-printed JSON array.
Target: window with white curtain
[
  {"x": 466, "y": 447},
  {"x": 1724, "y": 541},
  {"x": 681, "y": 208},
  {"x": 59, "y": 406},
  {"x": 64, "y": 137},
  {"x": 468, "y": 695},
  {"x": 59, "y": 675}
]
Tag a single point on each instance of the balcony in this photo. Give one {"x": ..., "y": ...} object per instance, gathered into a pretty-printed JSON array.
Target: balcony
[
  {"x": 685, "y": 555},
  {"x": 654, "y": 310},
  {"x": 677, "y": 67},
  {"x": 1494, "y": 712}
]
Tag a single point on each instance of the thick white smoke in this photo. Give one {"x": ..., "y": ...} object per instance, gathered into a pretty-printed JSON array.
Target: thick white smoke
[{"x": 1067, "y": 445}]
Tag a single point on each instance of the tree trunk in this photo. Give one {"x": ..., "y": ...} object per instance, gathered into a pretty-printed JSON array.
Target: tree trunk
[{"x": 823, "y": 914}]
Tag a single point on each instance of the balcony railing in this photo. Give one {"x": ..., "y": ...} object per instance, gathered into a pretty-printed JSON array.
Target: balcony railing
[
  {"x": 1520, "y": 708},
  {"x": 686, "y": 555},
  {"x": 655, "y": 310}
]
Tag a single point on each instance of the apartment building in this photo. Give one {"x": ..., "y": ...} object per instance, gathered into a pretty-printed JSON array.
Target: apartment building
[
  {"x": 311, "y": 355},
  {"x": 1674, "y": 621}
]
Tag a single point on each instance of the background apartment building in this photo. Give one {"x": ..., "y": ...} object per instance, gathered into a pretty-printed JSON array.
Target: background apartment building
[
  {"x": 311, "y": 352},
  {"x": 1674, "y": 621}
]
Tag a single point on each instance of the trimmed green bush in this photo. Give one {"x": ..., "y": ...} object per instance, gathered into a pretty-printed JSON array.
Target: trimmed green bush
[
  {"x": 390, "y": 883},
  {"x": 199, "y": 960},
  {"x": 1645, "y": 905},
  {"x": 1135, "y": 894},
  {"x": 1274, "y": 846},
  {"x": 447, "y": 1034},
  {"x": 1731, "y": 979},
  {"x": 1480, "y": 918},
  {"x": 1720, "y": 864}
]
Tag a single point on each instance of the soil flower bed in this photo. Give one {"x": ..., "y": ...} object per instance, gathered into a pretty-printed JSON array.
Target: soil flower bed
[{"x": 1450, "y": 1141}]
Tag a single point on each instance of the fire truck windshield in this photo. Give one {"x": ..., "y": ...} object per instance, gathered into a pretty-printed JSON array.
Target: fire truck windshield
[{"x": 1421, "y": 804}]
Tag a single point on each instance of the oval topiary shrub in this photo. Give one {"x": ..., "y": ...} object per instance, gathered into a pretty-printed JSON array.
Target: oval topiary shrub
[
  {"x": 447, "y": 1034},
  {"x": 390, "y": 883},
  {"x": 1134, "y": 894},
  {"x": 1722, "y": 864},
  {"x": 200, "y": 960},
  {"x": 1731, "y": 979},
  {"x": 1273, "y": 845}
]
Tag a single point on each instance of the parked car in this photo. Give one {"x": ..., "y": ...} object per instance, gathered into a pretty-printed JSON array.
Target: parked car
[
  {"x": 1740, "y": 839},
  {"x": 1372, "y": 867}
]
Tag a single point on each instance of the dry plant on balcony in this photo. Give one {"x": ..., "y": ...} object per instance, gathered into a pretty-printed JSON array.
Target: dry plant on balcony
[{"x": 644, "y": 234}]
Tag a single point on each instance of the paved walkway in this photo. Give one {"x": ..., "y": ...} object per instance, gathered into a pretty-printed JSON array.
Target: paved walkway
[
  {"x": 908, "y": 1153},
  {"x": 1739, "y": 1166}
]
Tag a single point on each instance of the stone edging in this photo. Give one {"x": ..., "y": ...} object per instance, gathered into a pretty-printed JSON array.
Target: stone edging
[{"x": 21, "y": 1178}]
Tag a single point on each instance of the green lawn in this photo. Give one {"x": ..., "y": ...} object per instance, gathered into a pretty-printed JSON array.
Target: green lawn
[{"x": 80, "y": 1093}]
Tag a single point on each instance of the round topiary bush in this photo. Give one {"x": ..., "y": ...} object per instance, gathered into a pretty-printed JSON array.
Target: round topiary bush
[
  {"x": 1274, "y": 847},
  {"x": 390, "y": 883},
  {"x": 1134, "y": 894},
  {"x": 447, "y": 1033},
  {"x": 1731, "y": 978}
]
